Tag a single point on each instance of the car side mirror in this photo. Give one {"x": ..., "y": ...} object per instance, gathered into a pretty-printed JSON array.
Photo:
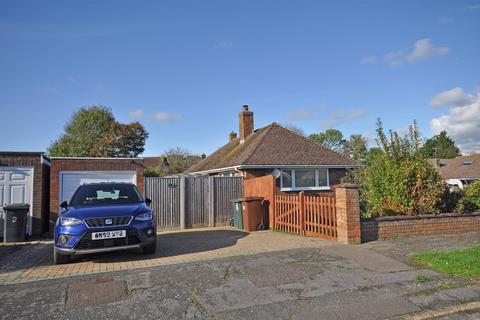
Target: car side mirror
[
  {"x": 64, "y": 205},
  {"x": 148, "y": 201}
]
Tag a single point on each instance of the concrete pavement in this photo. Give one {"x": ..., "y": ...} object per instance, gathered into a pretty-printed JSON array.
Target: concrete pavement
[{"x": 323, "y": 281}]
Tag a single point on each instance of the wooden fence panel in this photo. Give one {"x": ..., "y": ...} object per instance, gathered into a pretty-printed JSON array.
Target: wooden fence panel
[
  {"x": 165, "y": 196},
  {"x": 197, "y": 202},
  {"x": 192, "y": 199},
  {"x": 225, "y": 189}
]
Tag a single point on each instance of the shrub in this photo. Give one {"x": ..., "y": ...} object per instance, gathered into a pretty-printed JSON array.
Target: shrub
[
  {"x": 397, "y": 179},
  {"x": 470, "y": 202}
]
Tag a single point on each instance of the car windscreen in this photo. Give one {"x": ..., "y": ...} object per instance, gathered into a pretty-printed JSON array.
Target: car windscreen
[{"x": 106, "y": 194}]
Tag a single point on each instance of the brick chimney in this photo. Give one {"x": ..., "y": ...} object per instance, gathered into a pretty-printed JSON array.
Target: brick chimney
[
  {"x": 246, "y": 123},
  {"x": 232, "y": 136}
]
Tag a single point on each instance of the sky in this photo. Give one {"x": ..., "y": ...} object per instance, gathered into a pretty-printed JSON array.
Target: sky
[{"x": 185, "y": 68}]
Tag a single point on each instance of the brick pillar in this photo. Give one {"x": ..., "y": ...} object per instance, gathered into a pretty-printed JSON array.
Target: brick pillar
[{"x": 348, "y": 213}]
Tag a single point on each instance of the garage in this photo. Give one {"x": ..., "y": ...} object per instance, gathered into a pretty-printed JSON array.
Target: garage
[
  {"x": 24, "y": 178},
  {"x": 71, "y": 180},
  {"x": 67, "y": 174}
]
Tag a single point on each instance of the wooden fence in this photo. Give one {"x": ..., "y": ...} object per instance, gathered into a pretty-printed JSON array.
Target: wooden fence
[
  {"x": 188, "y": 202},
  {"x": 312, "y": 216}
]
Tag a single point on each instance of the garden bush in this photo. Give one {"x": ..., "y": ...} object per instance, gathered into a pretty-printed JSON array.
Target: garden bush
[{"x": 397, "y": 179}]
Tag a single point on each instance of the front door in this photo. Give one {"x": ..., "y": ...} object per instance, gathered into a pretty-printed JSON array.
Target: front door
[{"x": 16, "y": 187}]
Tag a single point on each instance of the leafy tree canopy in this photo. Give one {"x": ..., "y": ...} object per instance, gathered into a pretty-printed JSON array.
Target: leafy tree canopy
[
  {"x": 94, "y": 132},
  {"x": 175, "y": 160},
  {"x": 440, "y": 146},
  {"x": 356, "y": 147},
  {"x": 295, "y": 129},
  {"x": 331, "y": 138}
]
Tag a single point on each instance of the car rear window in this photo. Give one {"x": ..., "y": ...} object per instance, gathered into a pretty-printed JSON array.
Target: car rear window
[{"x": 106, "y": 194}]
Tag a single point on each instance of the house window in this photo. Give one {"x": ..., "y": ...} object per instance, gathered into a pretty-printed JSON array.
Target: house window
[
  {"x": 286, "y": 179},
  {"x": 304, "y": 179}
]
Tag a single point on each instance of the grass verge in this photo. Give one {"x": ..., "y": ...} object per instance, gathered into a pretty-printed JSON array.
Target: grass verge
[{"x": 463, "y": 263}]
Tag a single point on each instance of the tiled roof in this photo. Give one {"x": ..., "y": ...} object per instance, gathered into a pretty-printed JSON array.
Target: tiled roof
[
  {"x": 459, "y": 167},
  {"x": 152, "y": 162},
  {"x": 271, "y": 145}
]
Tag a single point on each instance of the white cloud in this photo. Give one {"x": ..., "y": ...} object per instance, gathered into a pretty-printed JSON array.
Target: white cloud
[
  {"x": 136, "y": 114},
  {"x": 302, "y": 115},
  {"x": 423, "y": 49},
  {"x": 462, "y": 123},
  {"x": 342, "y": 117},
  {"x": 164, "y": 116},
  {"x": 473, "y": 7},
  {"x": 139, "y": 114},
  {"x": 454, "y": 97},
  {"x": 369, "y": 60},
  {"x": 223, "y": 45}
]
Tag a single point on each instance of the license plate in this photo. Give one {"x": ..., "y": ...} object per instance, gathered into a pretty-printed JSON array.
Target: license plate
[{"x": 109, "y": 234}]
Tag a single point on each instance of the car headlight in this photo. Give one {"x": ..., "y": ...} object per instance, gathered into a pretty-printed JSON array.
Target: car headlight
[
  {"x": 64, "y": 221},
  {"x": 144, "y": 217}
]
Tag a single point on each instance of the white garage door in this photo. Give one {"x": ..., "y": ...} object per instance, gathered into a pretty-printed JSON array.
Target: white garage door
[
  {"x": 16, "y": 187},
  {"x": 71, "y": 180}
]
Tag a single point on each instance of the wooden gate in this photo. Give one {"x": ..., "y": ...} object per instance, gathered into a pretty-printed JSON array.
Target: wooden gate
[{"x": 312, "y": 216}]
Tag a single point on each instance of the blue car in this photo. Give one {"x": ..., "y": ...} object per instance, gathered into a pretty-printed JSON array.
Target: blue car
[{"x": 103, "y": 217}]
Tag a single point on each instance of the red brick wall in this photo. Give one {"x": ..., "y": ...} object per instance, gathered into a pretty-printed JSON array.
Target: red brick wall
[
  {"x": 40, "y": 186},
  {"x": 88, "y": 164},
  {"x": 399, "y": 227}
]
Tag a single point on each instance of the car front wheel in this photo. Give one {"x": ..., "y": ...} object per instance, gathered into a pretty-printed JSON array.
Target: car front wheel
[
  {"x": 150, "y": 248},
  {"x": 60, "y": 258}
]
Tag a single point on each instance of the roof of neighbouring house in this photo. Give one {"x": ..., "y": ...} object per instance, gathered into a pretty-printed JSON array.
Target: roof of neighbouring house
[
  {"x": 271, "y": 145},
  {"x": 462, "y": 167},
  {"x": 152, "y": 162}
]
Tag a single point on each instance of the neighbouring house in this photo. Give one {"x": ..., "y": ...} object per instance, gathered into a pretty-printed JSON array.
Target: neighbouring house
[
  {"x": 297, "y": 162},
  {"x": 67, "y": 174},
  {"x": 25, "y": 178},
  {"x": 458, "y": 172},
  {"x": 155, "y": 162}
]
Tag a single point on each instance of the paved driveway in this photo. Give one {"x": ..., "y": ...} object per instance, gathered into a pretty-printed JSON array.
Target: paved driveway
[
  {"x": 35, "y": 262},
  {"x": 227, "y": 274}
]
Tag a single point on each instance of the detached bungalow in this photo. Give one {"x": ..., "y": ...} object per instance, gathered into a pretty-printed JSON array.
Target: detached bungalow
[
  {"x": 297, "y": 162},
  {"x": 460, "y": 171}
]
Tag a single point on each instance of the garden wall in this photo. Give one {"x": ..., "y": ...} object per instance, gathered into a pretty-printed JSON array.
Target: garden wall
[{"x": 385, "y": 228}]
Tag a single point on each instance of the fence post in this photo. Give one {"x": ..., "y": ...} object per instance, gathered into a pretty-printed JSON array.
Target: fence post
[
  {"x": 301, "y": 198},
  {"x": 211, "y": 201},
  {"x": 348, "y": 213},
  {"x": 183, "y": 199}
]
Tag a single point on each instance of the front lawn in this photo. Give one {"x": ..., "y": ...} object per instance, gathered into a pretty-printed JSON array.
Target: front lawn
[{"x": 464, "y": 263}]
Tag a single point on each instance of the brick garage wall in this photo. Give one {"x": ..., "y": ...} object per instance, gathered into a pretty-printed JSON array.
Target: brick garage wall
[
  {"x": 88, "y": 164},
  {"x": 40, "y": 185},
  {"x": 401, "y": 227}
]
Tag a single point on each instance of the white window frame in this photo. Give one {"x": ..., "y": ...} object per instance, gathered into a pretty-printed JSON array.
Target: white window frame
[{"x": 317, "y": 180}]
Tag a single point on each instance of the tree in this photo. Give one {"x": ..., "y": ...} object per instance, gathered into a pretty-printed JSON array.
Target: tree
[
  {"x": 331, "y": 138},
  {"x": 175, "y": 160},
  {"x": 440, "y": 146},
  {"x": 94, "y": 132},
  {"x": 295, "y": 129},
  {"x": 122, "y": 140},
  {"x": 356, "y": 147},
  {"x": 397, "y": 179}
]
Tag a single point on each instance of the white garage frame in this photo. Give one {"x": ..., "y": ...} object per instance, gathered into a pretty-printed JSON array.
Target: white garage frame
[{"x": 109, "y": 177}]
